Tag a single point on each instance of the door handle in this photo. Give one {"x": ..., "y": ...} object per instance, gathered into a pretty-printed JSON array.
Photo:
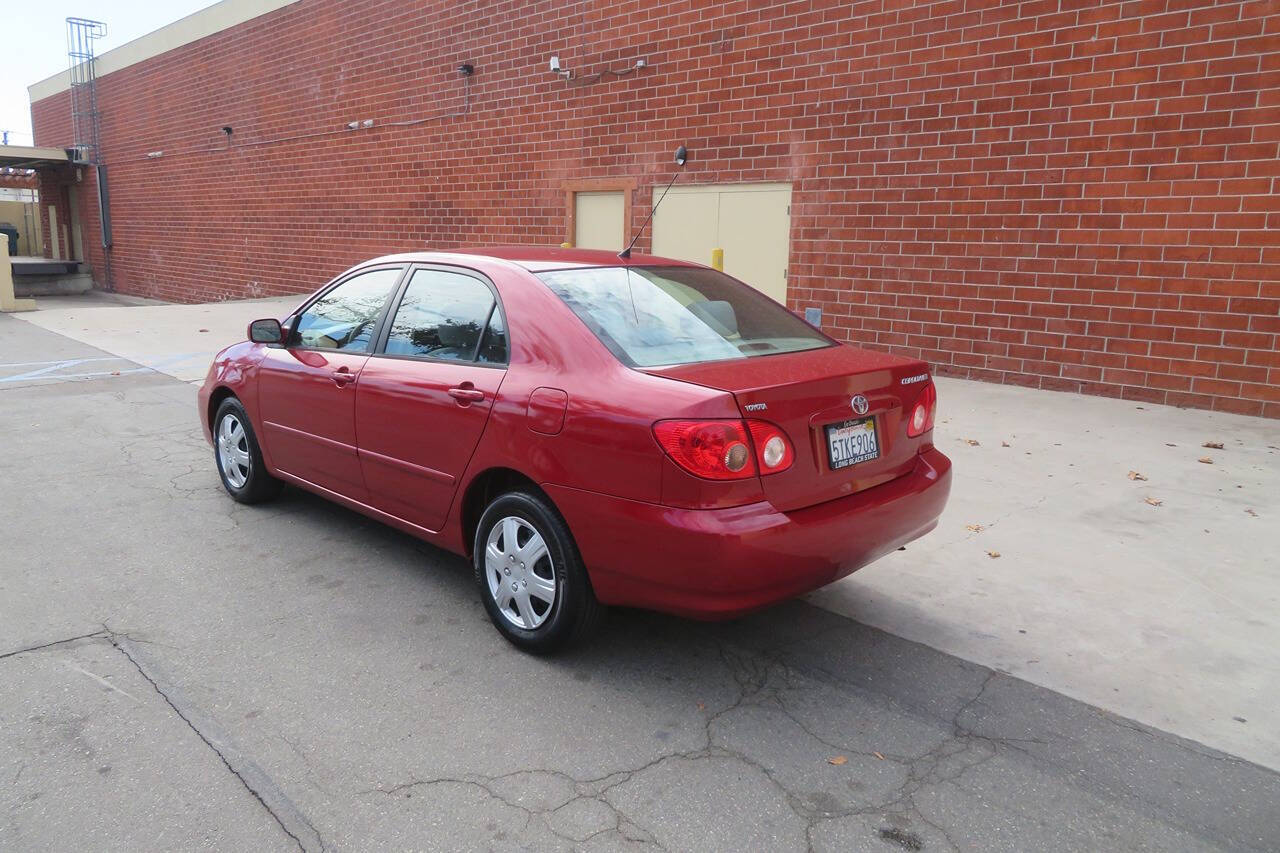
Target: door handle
[
  {"x": 342, "y": 376},
  {"x": 466, "y": 394}
]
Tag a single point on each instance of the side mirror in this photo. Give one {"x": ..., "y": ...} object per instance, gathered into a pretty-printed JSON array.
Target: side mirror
[{"x": 266, "y": 331}]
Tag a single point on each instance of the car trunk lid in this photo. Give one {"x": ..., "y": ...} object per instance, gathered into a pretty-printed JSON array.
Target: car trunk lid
[{"x": 805, "y": 393}]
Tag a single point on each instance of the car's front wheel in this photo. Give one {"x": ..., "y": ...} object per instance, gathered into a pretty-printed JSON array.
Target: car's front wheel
[
  {"x": 239, "y": 458},
  {"x": 530, "y": 576}
]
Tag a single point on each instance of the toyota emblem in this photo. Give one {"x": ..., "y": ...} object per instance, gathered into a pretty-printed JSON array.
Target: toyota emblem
[{"x": 860, "y": 404}]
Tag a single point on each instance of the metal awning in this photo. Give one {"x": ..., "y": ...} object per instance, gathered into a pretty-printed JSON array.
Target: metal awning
[{"x": 28, "y": 157}]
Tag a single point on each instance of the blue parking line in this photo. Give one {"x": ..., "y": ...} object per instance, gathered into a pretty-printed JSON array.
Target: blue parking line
[
  {"x": 32, "y": 374},
  {"x": 59, "y": 360},
  {"x": 49, "y": 371}
]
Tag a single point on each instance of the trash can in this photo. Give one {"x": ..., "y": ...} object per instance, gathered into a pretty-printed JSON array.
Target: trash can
[{"x": 12, "y": 233}]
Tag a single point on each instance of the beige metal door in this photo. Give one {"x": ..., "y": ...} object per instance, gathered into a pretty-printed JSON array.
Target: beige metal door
[
  {"x": 750, "y": 222},
  {"x": 597, "y": 220}
]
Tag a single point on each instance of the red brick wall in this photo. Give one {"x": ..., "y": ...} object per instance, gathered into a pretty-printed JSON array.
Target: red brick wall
[{"x": 1069, "y": 194}]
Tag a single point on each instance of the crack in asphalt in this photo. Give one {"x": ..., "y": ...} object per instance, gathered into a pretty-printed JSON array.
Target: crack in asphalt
[
  {"x": 121, "y": 644},
  {"x": 754, "y": 676},
  {"x": 51, "y": 644},
  {"x": 762, "y": 681},
  {"x": 487, "y": 784}
]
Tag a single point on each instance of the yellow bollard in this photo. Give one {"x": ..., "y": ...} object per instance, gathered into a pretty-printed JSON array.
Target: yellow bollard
[{"x": 717, "y": 259}]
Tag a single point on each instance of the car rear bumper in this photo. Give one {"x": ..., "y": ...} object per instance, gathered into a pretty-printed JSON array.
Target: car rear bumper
[{"x": 719, "y": 563}]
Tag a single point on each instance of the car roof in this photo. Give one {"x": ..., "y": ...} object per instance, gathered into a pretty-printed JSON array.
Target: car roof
[{"x": 537, "y": 258}]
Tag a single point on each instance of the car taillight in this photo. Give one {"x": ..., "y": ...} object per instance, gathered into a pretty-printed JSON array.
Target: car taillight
[
  {"x": 922, "y": 413},
  {"x": 773, "y": 451},
  {"x": 716, "y": 450}
]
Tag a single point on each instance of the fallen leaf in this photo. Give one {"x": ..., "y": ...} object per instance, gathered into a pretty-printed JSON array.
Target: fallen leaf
[
  {"x": 115, "y": 373},
  {"x": 1251, "y": 512},
  {"x": 974, "y": 528},
  {"x": 972, "y": 442},
  {"x": 995, "y": 555},
  {"x": 202, "y": 330},
  {"x": 837, "y": 760},
  {"x": 878, "y": 755},
  {"x": 1005, "y": 444},
  {"x": 1168, "y": 444},
  {"x": 1134, "y": 475},
  {"x": 1154, "y": 501},
  {"x": 1213, "y": 445},
  {"x": 1206, "y": 460}
]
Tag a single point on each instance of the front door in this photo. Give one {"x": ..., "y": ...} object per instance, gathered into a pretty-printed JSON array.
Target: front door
[
  {"x": 423, "y": 400},
  {"x": 307, "y": 389}
]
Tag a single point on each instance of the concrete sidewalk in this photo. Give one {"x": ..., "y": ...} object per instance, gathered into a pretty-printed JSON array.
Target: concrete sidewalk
[
  {"x": 176, "y": 340},
  {"x": 1152, "y": 594}
]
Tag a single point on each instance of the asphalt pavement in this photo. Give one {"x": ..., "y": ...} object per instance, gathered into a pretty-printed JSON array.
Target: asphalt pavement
[{"x": 183, "y": 672}]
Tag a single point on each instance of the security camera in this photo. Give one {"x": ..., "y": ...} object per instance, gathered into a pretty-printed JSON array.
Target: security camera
[{"x": 555, "y": 64}]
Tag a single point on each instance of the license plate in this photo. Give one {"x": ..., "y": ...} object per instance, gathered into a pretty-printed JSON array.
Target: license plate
[{"x": 852, "y": 441}]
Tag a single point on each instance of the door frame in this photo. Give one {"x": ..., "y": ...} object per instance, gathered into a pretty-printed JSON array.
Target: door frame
[{"x": 626, "y": 186}]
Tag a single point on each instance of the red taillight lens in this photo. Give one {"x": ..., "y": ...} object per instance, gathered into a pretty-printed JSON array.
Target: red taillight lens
[
  {"x": 716, "y": 450},
  {"x": 920, "y": 420},
  {"x": 773, "y": 452}
]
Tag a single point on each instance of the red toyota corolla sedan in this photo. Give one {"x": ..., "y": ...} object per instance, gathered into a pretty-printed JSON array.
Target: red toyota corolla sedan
[{"x": 589, "y": 430}]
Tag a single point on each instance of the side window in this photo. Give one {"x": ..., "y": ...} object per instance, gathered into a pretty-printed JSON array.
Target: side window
[
  {"x": 345, "y": 317},
  {"x": 442, "y": 315}
]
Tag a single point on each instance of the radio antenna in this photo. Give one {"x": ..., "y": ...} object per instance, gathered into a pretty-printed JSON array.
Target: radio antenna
[{"x": 682, "y": 154}]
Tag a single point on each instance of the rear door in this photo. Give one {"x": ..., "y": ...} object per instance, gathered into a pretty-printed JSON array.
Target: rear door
[
  {"x": 307, "y": 388},
  {"x": 425, "y": 396}
]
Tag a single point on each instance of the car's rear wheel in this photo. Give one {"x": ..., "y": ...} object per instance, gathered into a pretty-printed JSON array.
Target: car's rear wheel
[
  {"x": 239, "y": 458},
  {"x": 530, "y": 575}
]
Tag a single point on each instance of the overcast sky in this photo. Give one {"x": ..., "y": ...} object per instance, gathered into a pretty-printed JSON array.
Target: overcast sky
[{"x": 33, "y": 44}]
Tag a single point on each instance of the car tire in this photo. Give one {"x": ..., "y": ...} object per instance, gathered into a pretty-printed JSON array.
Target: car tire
[
  {"x": 515, "y": 591},
  {"x": 239, "y": 458}
]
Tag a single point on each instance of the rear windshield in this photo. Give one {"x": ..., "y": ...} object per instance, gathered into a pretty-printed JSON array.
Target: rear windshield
[{"x": 654, "y": 316}]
